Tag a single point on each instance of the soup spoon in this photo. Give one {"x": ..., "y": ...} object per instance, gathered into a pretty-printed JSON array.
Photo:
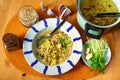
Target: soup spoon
[
  {"x": 107, "y": 14},
  {"x": 42, "y": 38}
]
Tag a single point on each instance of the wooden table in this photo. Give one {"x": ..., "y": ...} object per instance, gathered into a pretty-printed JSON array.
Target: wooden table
[{"x": 9, "y": 9}]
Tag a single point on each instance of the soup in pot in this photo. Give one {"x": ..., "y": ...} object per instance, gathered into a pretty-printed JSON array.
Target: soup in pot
[{"x": 90, "y": 7}]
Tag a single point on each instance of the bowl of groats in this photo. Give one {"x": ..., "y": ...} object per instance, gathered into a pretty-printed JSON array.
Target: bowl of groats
[{"x": 28, "y": 15}]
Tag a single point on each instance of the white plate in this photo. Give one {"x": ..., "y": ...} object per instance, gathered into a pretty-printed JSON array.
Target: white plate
[
  {"x": 63, "y": 67},
  {"x": 107, "y": 56}
]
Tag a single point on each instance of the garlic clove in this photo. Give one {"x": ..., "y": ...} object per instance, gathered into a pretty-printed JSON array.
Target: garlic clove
[
  {"x": 67, "y": 12},
  {"x": 50, "y": 12},
  {"x": 87, "y": 50},
  {"x": 62, "y": 8},
  {"x": 89, "y": 56},
  {"x": 43, "y": 8},
  {"x": 63, "y": 13}
]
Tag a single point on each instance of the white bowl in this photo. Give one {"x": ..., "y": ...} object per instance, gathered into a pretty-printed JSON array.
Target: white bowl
[
  {"x": 107, "y": 56},
  {"x": 57, "y": 69}
]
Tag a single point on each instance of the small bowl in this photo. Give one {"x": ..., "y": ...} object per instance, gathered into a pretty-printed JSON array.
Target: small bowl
[
  {"x": 107, "y": 55},
  {"x": 28, "y": 16}
]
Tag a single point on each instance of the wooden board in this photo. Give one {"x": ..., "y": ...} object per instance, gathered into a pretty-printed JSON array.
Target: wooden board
[
  {"x": 80, "y": 71},
  {"x": 8, "y": 10}
]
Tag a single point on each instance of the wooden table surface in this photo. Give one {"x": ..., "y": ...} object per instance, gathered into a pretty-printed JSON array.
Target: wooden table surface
[{"x": 8, "y": 8}]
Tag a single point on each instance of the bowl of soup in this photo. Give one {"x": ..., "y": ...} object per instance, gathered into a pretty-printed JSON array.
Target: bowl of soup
[
  {"x": 54, "y": 50},
  {"x": 55, "y": 55},
  {"x": 87, "y": 9}
]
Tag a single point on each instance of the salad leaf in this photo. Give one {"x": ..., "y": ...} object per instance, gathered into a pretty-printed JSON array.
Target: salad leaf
[
  {"x": 98, "y": 49},
  {"x": 65, "y": 43}
]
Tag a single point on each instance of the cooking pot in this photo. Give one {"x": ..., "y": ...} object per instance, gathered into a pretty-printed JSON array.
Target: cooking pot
[{"x": 93, "y": 30}]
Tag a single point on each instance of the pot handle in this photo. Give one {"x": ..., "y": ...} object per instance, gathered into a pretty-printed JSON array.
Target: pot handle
[{"x": 89, "y": 27}]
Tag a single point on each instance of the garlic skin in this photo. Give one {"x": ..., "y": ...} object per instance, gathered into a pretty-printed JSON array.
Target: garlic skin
[
  {"x": 67, "y": 12},
  {"x": 50, "y": 12},
  {"x": 61, "y": 10},
  {"x": 42, "y": 7}
]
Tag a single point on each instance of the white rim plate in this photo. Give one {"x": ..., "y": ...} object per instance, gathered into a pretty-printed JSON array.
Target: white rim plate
[{"x": 63, "y": 67}]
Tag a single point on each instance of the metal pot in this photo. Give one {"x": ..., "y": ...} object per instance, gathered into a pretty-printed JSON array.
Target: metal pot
[{"x": 93, "y": 27}]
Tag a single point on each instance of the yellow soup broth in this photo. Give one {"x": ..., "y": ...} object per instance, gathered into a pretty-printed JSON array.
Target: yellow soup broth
[{"x": 90, "y": 7}]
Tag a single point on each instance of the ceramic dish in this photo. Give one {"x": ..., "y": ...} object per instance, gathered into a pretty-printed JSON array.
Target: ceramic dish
[
  {"x": 107, "y": 55},
  {"x": 82, "y": 23},
  {"x": 63, "y": 67}
]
